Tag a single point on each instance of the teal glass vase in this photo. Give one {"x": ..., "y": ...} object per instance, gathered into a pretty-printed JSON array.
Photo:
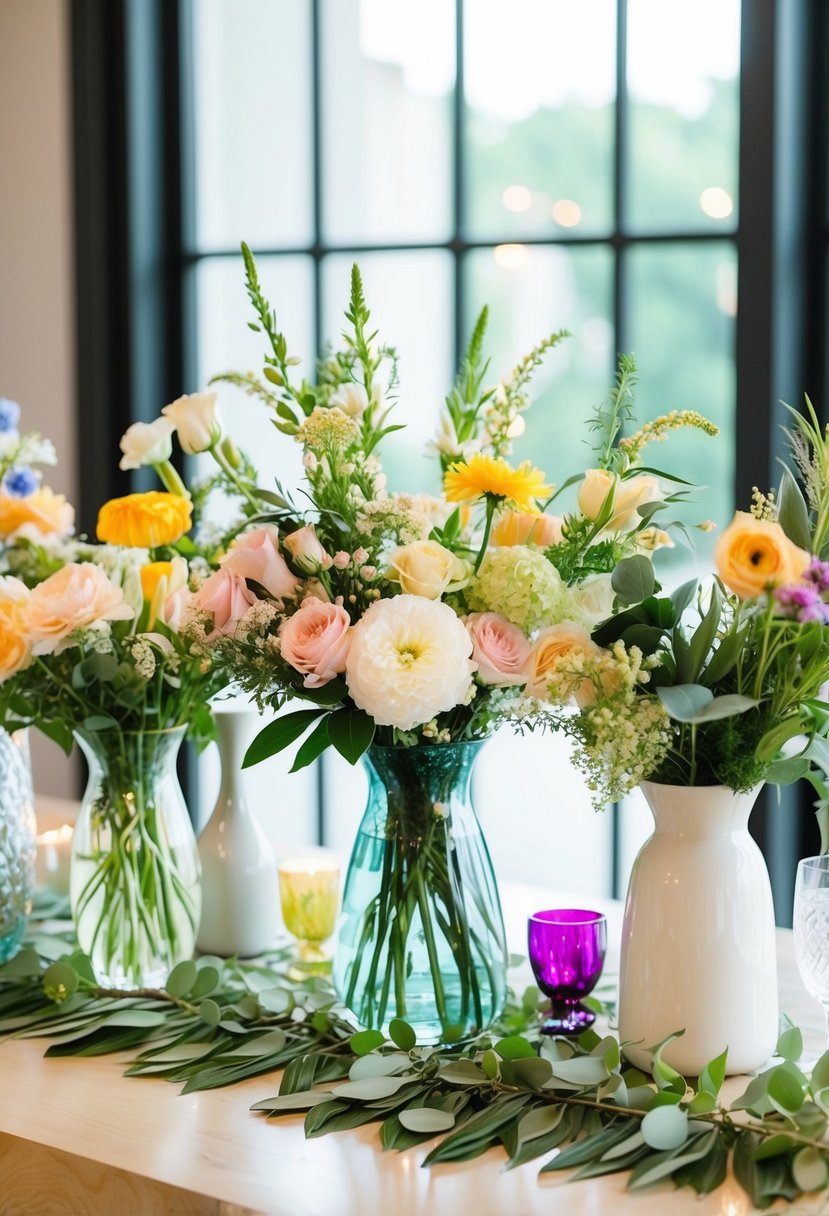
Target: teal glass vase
[
  {"x": 421, "y": 933},
  {"x": 17, "y": 840}
]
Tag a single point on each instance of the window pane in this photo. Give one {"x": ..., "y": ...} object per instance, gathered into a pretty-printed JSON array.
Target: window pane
[
  {"x": 540, "y": 87},
  {"x": 683, "y": 79},
  {"x": 252, "y": 117},
  {"x": 388, "y": 70},
  {"x": 410, "y": 298},
  {"x": 682, "y": 303},
  {"x": 226, "y": 344},
  {"x": 531, "y": 292}
]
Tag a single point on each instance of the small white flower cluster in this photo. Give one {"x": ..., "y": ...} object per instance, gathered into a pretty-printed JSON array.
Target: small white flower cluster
[
  {"x": 502, "y": 420},
  {"x": 143, "y": 658},
  {"x": 256, "y": 622},
  {"x": 431, "y": 730},
  {"x": 398, "y": 519},
  {"x": 328, "y": 430}
]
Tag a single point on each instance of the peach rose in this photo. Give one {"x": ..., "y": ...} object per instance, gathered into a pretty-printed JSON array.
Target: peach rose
[
  {"x": 316, "y": 641},
  {"x": 755, "y": 554},
  {"x": 225, "y": 597},
  {"x": 499, "y": 648},
  {"x": 42, "y": 513},
  {"x": 632, "y": 493},
  {"x": 552, "y": 648},
  {"x": 78, "y": 595},
  {"x": 307, "y": 552},
  {"x": 15, "y": 648},
  {"x": 521, "y": 528},
  {"x": 255, "y": 555}
]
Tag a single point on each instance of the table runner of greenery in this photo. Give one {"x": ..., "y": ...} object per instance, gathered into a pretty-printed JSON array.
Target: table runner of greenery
[{"x": 220, "y": 1021}]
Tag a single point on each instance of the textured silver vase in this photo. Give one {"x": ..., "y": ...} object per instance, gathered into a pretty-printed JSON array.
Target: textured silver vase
[{"x": 17, "y": 840}]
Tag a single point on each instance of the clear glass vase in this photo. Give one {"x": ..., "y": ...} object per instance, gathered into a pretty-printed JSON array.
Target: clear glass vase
[
  {"x": 421, "y": 932},
  {"x": 135, "y": 880},
  {"x": 17, "y": 840}
]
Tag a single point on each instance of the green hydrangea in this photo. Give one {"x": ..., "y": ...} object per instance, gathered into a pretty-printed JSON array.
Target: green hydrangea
[{"x": 523, "y": 586}]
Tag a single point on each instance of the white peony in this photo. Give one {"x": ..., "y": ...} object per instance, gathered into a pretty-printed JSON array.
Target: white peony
[
  {"x": 147, "y": 443},
  {"x": 196, "y": 419},
  {"x": 594, "y": 597},
  {"x": 409, "y": 661}
]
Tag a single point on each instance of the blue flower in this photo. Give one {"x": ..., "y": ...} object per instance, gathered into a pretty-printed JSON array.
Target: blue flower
[
  {"x": 20, "y": 482},
  {"x": 9, "y": 415}
]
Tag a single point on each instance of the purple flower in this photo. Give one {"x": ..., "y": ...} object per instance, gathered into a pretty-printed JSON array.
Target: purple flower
[
  {"x": 801, "y": 602},
  {"x": 9, "y": 415},
  {"x": 818, "y": 574},
  {"x": 20, "y": 482}
]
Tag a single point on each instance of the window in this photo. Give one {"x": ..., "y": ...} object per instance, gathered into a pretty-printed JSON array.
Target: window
[
  {"x": 606, "y": 167},
  {"x": 573, "y": 166}
]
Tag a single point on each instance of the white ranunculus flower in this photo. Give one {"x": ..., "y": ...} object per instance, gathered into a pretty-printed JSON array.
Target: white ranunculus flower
[
  {"x": 196, "y": 419},
  {"x": 409, "y": 661},
  {"x": 594, "y": 598},
  {"x": 427, "y": 568},
  {"x": 147, "y": 443},
  {"x": 351, "y": 398}
]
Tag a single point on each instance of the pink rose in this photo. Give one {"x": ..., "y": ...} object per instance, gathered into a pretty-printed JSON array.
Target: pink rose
[
  {"x": 255, "y": 555},
  {"x": 499, "y": 648},
  {"x": 316, "y": 641},
  {"x": 226, "y": 598},
  {"x": 307, "y": 552}
]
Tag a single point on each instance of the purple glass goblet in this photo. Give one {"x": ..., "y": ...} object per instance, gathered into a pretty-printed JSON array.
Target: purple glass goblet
[{"x": 567, "y": 948}]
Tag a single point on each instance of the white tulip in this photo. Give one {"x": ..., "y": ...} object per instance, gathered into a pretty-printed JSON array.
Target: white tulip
[
  {"x": 196, "y": 419},
  {"x": 146, "y": 443}
]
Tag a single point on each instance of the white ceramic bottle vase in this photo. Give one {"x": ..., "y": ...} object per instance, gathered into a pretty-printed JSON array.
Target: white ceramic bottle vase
[
  {"x": 239, "y": 880},
  {"x": 698, "y": 944}
]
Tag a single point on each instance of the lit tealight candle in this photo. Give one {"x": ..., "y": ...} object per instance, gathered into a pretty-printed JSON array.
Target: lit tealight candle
[
  {"x": 309, "y": 889},
  {"x": 54, "y": 855}
]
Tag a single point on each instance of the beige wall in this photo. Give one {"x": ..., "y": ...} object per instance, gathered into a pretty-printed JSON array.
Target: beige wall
[{"x": 37, "y": 365}]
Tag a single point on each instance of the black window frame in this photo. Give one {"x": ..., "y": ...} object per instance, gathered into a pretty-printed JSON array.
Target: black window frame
[{"x": 133, "y": 144}]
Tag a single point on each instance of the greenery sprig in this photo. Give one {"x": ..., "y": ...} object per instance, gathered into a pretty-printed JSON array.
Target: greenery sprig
[{"x": 576, "y": 1103}]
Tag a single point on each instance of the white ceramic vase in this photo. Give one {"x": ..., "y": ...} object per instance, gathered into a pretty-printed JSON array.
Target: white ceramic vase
[
  {"x": 239, "y": 880},
  {"x": 698, "y": 943}
]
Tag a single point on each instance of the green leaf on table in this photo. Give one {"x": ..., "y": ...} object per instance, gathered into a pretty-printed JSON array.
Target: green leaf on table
[
  {"x": 24, "y": 963},
  {"x": 365, "y": 1041},
  {"x": 207, "y": 981},
  {"x": 530, "y": 1072},
  {"x": 291, "y": 1102},
  {"x": 462, "y": 1072},
  {"x": 351, "y": 732},
  {"x": 664, "y": 1164},
  {"x": 665, "y": 1127},
  {"x": 426, "y": 1120},
  {"x": 378, "y": 1066},
  {"x": 210, "y": 1012},
  {"x": 279, "y": 734},
  {"x": 514, "y": 1047},
  {"x": 581, "y": 1070},
  {"x": 786, "y": 1091},
  {"x": 370, "y": 1089},
  {"x": 820, "y": 1074},
  {"x": 790, "y": 1044},
  {"x": 402, "y": 1035},
  {"x": 182, "y": 978},
  {"x": 713, "y": 1075},
  {"x": 809, "y": 1169}
]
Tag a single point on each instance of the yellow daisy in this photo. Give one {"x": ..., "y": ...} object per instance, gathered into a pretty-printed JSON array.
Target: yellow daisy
[{"x": 467, "y": 480}]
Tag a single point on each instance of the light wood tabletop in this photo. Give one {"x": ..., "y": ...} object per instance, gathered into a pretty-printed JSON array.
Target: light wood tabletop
[{"x": 77, "y": 1137}]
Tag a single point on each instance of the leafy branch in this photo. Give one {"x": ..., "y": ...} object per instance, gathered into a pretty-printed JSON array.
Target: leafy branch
[{"x": 610, "y": 417}]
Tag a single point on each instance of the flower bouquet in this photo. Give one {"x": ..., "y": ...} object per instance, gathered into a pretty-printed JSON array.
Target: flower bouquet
[
  {"x": 92, "y": 647},
  {"x": 412, "y": 626},
  {"x": 701, "y": 696}
]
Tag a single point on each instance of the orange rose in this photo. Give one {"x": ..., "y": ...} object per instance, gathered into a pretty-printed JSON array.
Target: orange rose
[
  {"x": 42, "y": 513},
  {"x": 144, "y": 521},
  {"x": 755, "y": 554},
  {"x": 15, "y": 650},
  {"x": 522, "y": 528}
]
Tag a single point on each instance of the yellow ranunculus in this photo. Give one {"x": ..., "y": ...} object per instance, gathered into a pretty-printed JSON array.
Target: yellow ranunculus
[
  {"x": 144, "y": 521},
  {"x": 42, "y": 513},
  {"x": 755, "y": 554}
]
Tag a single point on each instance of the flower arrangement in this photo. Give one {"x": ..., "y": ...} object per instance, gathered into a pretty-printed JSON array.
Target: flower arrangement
[
  {"x": 409, "y": 619},
  {"x": 723, "y": 681},
  {"x": 93, "y": 648}
]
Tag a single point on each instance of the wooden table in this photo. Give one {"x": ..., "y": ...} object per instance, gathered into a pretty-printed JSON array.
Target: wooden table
[{"x": 76, "y": 1137}]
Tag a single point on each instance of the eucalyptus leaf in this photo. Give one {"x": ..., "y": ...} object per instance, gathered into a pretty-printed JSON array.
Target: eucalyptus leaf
[
  {"x": 665, "y": 1127},
  {"x": 377, "y": 1066},
  {"x": 633, "y": 579},
  {"x": 426, "y": 1120},
  {"x": 402, "y": 1035},
  {"x": 366, "y": 1041},
  {"x": 685, "y": 702},
  {"x": 182, "y": 978},
  {"x": 809, "y": 1169},
  {"x": 462, "y": 1072},
  {"x": 292, "y": 1102},
  {"x": 790, "y": 1044},
  {"x": 370, "y": 1088}
]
